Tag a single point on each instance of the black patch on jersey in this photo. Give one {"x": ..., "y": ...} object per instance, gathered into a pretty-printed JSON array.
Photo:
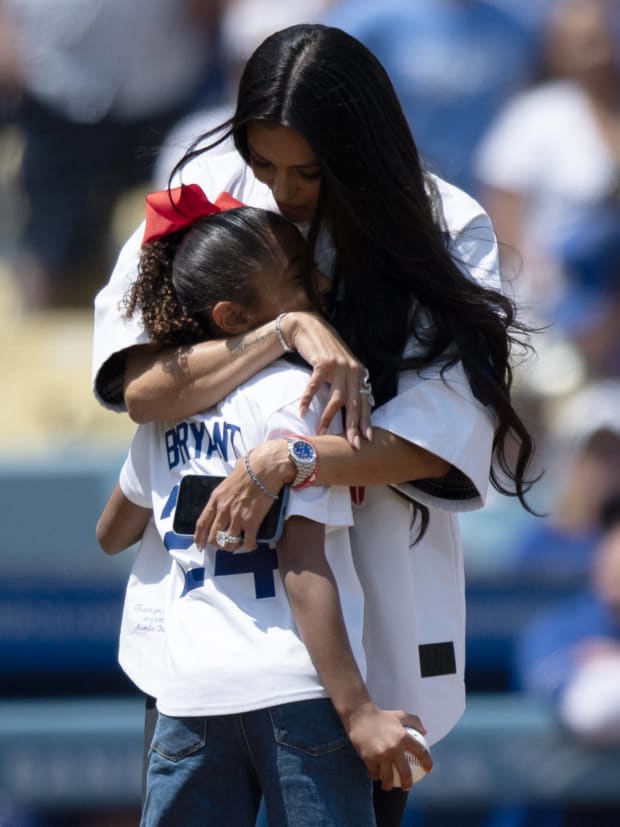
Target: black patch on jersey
[{"x": 437, "y": 659}]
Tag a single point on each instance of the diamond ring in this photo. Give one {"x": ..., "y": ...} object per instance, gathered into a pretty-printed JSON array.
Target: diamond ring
[{"x": 224, "y": 539}]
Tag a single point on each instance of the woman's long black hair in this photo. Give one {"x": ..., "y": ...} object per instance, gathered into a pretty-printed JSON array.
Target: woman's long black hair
[{"x": 393, "y": 263}]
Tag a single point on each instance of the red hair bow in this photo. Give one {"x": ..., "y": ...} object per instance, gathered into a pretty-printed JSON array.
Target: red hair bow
[{"x": 170, "y": 210}]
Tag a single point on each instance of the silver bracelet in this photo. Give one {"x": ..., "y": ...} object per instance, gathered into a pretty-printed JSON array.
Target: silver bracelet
[
  {"x": 285, "y": 346},
  {"x": 255, "y": 479}
]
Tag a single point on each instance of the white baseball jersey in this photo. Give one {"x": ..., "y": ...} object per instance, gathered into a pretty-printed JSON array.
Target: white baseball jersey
[
  {"x": 414, "y": 623},
  {"x": 414, "y": 629},
  {"x": 142, "y": 640},
  {"x": 231, "y": 643}
]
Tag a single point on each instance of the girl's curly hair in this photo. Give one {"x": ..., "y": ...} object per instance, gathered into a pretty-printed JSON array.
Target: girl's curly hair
[{"x": 152, "y": 294}]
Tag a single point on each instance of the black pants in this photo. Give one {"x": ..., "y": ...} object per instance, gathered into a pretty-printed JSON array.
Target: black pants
[{"x": 389, "y": 807}]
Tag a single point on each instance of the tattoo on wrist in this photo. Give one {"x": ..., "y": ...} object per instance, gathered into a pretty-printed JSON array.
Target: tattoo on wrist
[{"x": 247, "y": 341}]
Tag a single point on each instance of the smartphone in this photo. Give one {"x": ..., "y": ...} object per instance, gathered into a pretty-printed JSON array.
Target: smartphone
[{"x": 194, "y": 493}]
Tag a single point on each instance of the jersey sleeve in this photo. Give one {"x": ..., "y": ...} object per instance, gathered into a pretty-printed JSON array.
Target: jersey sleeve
[
  {"x": 113, "y": 333},
  {"x": 441, "y": 414},
  {"x": 135, "y": 476},
  {"x": 471, "y": 239}
]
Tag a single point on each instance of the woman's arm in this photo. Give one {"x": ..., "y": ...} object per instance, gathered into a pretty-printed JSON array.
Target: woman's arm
[
  {"x": 122, "y": 523},
  {"x": 376, "y": 734},
  {"x": 238, "y": 506},
  {"x": 173, "y": 383},
  {"x": 387, "y": 459}
]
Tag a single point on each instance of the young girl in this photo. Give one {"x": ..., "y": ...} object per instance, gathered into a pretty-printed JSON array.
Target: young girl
[
  {"x": 321, "y": 137},
  {"x": 237, "y": 672}
]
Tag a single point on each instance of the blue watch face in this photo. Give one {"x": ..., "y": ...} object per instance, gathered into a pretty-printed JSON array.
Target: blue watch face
[{"x": 303, "y": 451}]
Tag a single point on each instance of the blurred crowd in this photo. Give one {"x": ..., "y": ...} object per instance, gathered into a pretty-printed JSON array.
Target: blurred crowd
[{"x": 517, "y": 103}]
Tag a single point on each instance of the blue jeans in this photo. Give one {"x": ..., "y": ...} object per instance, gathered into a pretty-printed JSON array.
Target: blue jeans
[{"x": 212, "y": 772}]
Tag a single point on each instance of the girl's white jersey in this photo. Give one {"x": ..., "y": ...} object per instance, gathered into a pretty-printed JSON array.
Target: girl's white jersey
[{"x": 226, "y": 634}]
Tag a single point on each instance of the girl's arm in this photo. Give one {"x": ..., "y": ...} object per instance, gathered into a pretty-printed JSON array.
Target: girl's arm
[
  {"x": 238, "y": 506},
  {"x": 376, "y": 734},
  {"x": 122, "y": 523},
  {"x": 170, "y": 383}
]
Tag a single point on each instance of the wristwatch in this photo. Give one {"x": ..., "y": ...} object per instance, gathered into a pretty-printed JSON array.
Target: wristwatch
[{"x": 304, "y": 457}]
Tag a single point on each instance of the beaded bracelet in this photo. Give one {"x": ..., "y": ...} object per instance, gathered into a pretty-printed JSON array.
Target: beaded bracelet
[
  {"x": 255, "y": 479},
  {"x": 285, "y": 346}
]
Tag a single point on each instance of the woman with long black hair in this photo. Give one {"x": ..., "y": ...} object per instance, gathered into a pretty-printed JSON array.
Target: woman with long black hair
[{"x": 320, "y": 136}]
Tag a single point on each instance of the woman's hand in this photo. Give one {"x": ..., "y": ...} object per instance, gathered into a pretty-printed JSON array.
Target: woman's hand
[
  {"x": 237, "y": 506},
  {"x": 380, "y": 738},
  {"x": 332, "y": 362}
]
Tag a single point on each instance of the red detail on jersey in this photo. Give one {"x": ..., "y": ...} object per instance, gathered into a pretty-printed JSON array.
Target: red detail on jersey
[{"x": 358, "y": 494}]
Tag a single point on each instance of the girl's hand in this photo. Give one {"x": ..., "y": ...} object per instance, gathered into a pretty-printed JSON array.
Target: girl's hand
[
  {"x": 380, "y": 738},
  {"x": 332, "y": 362},
  {"x": 237, "y": 506}
]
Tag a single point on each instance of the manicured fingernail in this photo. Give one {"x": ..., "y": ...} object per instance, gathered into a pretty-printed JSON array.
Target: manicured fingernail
[
  {"x": 369, "y": 434},
  {"x": 356, "y": 442}
]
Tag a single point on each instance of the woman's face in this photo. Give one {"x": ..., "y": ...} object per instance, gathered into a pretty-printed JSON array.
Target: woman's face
[{"x": 282, "y": 158}]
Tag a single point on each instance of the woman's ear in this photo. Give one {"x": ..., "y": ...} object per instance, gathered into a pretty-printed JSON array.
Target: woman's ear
[{"x": 232, "y": 318}]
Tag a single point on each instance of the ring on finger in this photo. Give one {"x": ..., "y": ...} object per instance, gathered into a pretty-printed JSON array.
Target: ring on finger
[
  {"x": 366, "y": 390},
  {"x": 222, "y": 538},
  {"x": 232, "y": 540}
]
